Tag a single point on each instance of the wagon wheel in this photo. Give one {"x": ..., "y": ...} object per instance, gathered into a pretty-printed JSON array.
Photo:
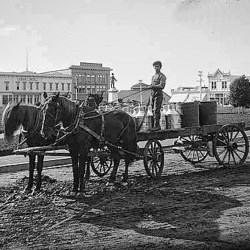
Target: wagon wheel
[
  {"x": 153, "y": 158},
  {"x": 195, "y": 149},
  {"x": 102, "y": 162},
  {"x": 231, "y": 146}
]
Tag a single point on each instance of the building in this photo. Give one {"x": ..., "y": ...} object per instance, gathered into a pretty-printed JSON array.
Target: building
[
  {"x": 189, "y": 94},
  {"x": 90, "y": 78},
  {"x": 28, "y": 86},
  {"x": 76, "y": 82},
  {"x": 219, "y": 86},
  {"x": 138, "y": 93}
]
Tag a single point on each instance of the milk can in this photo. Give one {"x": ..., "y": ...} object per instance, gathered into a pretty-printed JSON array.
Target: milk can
[
  {"x": 163, "y": 119},
  {"x": 139, "y": 119},
  {"x": 150, "y": 117},
  {"x": 173, "y": 117}
]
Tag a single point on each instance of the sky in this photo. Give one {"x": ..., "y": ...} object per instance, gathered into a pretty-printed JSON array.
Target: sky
[{"x": 187, "y": 36}]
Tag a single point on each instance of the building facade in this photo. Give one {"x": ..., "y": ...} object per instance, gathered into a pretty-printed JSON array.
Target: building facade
[
  {"x": 29, "y": 87},
  {"x": 90, "y": 78},
  {"x": 219, "y": 86}
]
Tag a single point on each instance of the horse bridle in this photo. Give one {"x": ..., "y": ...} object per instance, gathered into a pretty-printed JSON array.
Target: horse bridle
[{"x": 54, "y": 118}]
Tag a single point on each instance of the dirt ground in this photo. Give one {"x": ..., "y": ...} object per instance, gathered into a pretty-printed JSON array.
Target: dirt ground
[{"x": 190, "y": 207}]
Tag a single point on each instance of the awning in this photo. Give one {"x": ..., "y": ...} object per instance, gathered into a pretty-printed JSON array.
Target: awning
[
  {"x": 196, "y": 97},
  {"x": 179, "y": 97}
]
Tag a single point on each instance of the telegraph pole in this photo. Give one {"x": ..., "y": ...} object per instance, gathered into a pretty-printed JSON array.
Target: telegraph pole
[
  {"x": 200, "y": 80},
  {"x": 140, "y": 82}
]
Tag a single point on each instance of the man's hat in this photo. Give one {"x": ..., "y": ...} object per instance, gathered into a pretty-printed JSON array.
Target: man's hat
[{"x": 157, "y": 63}]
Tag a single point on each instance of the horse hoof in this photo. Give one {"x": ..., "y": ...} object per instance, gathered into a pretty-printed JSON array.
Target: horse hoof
[
  {"x": 110, "y": 186},
  {"x": 26, "y": 191},
  {"x": 36, "y": 191},
  {"x": 80, "y": 195},
  {"x": 73, "y": 194}
]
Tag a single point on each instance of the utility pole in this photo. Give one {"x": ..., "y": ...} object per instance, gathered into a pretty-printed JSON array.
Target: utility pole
[
  {"x": 200, "y": 80},
  {"x": 76, "y": 87},
  {"x": 140, "y": 82}
]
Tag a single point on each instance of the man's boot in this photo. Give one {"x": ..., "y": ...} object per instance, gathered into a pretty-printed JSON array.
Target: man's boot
[{"x": 156, "y": 125}]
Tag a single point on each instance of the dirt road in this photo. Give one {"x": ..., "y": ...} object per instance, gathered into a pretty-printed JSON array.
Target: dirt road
[{"x": 191, "y": 207}]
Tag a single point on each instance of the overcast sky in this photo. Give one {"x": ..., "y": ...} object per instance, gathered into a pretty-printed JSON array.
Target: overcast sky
[{"x": 128, "y": 36}]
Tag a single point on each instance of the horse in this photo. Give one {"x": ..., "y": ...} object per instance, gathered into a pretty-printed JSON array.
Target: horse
[
  {"x": 28, "y": 117},
  {"x": 86, "y": 128}
]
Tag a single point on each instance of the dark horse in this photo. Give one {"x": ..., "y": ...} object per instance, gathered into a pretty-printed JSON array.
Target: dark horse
[
  {"x": 30, "y": 119},
  {"x": 85, "y": 128}
]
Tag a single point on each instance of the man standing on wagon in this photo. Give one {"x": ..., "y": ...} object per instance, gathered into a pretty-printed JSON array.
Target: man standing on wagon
[{"x": 157, "y": 85}]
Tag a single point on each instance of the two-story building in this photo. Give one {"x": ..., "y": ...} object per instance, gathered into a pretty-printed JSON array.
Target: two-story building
[{"x": 219, "y": 86}]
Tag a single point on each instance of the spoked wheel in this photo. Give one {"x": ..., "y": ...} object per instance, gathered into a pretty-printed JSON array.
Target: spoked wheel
[
  {"x": 153, "y": 158},
  {"x": 231, "y": 146},
  {"x": 102, "y": 162},
  {"x": 195, "y": 149}
]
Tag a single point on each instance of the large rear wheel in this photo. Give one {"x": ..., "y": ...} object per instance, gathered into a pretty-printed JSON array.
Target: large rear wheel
[{"x": 231, "y": 146}]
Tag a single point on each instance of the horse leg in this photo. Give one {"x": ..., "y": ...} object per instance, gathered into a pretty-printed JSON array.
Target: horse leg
[
  {"x": 113, "y": 174},
  {"x": 74, "y": 159},
  {"x": 83, "y": 178},
  {"x": 87, "y": 175},
  {"x": 39, "y": 168},
  {"x": 125, "y": 175},
  {"x": 31, "y": 174}
]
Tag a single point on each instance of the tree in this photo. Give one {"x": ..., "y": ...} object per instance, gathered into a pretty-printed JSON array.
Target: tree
[{"x": 240, "y": 92}]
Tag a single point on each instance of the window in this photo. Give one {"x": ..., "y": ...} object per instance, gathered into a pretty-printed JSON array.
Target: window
[
  {"x": 50, "y": 86},
  {"x": 10, "y": 98},
  {"x": 57, "y": 86},
  {"x": 36, "y": 99},
  {"x": 31, "y": 85},
  {"x": 29, "y": 99},
  {"x": 37, "y": 85},
  {"x": 213, "y": 85},
  {"x": 88, "y": 78},
  {"x": 68, "y": 86},
  {"x": 23, "y": 98},
  {"x": 224, "y": 84},
  {"x": 5, "y": 99},
  {"x": 24, "y": 85},
  {"x": 17, "y": 85},
  {"x": 44, "y": 86},
  {"x": 7, "y": 87},
  {"x": 15, "y": 98},
  {"x": 62, "y": 86}
]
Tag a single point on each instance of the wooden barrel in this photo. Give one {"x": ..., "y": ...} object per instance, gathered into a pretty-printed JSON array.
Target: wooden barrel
[
  {"x": 208, "y": 113},
  {"x": 190, "y": 114}
]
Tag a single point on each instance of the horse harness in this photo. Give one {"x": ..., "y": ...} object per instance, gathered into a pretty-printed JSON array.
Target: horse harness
[{"x": 79, "y": 123}]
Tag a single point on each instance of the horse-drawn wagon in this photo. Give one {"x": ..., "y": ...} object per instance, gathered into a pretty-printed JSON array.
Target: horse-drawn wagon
[{"x": 103, "y": 139}]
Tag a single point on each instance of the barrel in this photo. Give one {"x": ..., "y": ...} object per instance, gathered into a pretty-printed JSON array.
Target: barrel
[
  {"x": 190, "y": 114},
  {"x": 208, "y": 113}
]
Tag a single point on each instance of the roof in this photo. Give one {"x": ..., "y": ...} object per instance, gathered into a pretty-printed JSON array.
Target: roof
[
  {"x": 179, "y": 97},
  {"x": 139, "y": 86},
  {"x": 196, "y": 97}
]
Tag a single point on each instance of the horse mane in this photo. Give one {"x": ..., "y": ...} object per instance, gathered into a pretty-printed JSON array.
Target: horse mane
[{"x": 6, "y": 113}]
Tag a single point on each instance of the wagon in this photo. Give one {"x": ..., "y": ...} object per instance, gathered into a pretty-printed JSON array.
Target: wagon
[{"x": 227, "y": 143}]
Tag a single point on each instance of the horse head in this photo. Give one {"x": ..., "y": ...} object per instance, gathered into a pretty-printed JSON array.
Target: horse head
[{"x": 56, "y": 110}]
